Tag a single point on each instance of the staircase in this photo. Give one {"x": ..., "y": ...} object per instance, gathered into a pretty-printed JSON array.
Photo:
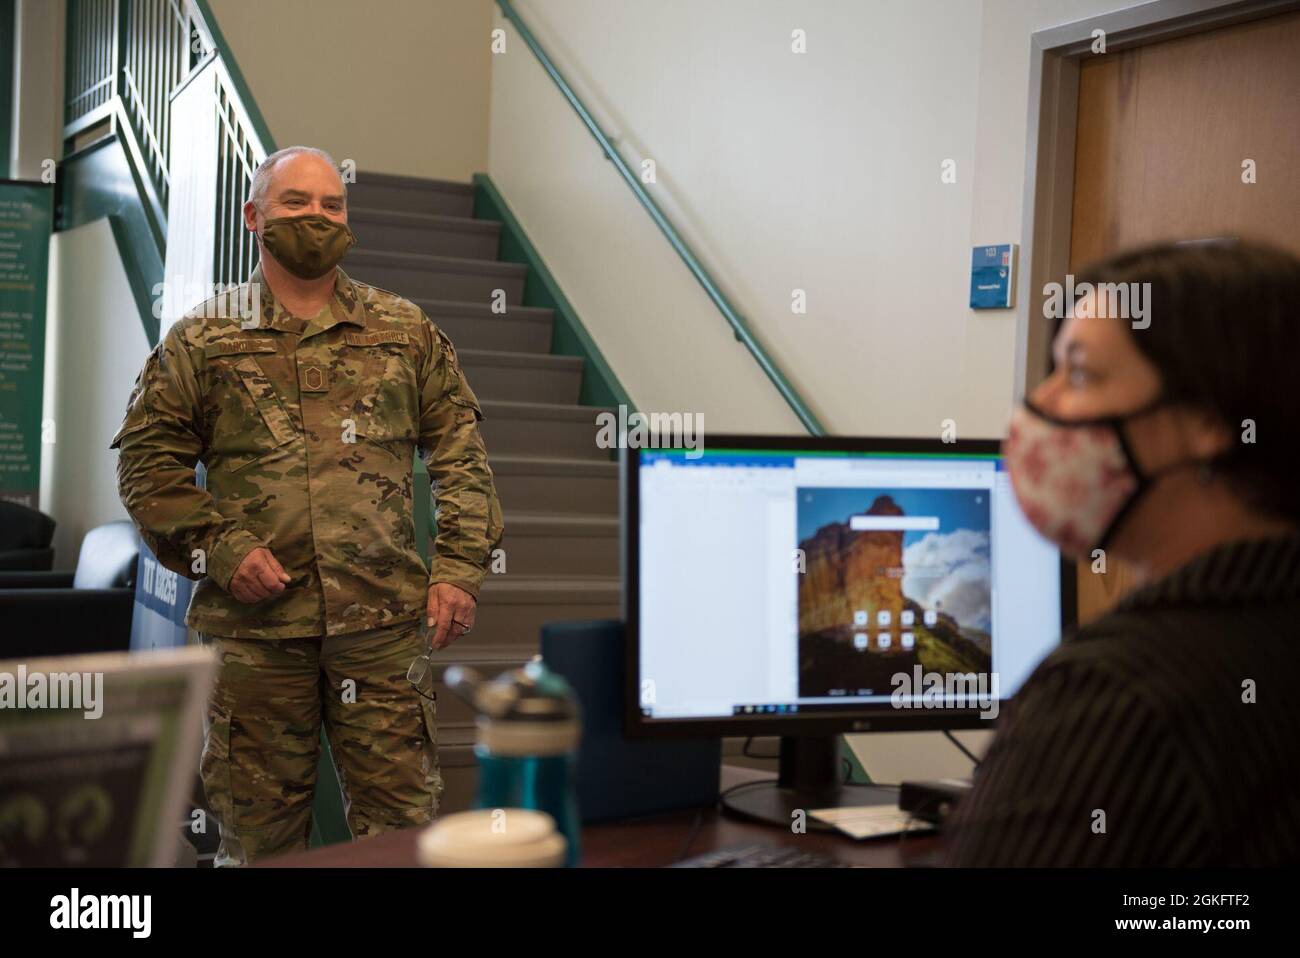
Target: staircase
[{"x": 559, "y": 492}]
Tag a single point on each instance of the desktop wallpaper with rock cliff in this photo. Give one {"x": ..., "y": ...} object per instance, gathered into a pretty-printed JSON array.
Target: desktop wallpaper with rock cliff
[{"x": 875, "y": 603}]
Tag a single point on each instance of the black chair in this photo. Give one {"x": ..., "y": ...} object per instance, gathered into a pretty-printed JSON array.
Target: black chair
[
  {"x": 60, "y": 613},
  {"x": 25, "y": 537}
]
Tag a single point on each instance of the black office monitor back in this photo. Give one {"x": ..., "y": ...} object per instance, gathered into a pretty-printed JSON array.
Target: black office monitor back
[{"x": 619, "y": 778}]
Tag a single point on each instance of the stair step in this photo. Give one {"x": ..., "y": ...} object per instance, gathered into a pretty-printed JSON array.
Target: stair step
[
  {"x": 542, "y": 429},
  {"x": 513, "y": 609},
  {"x": 439, "y": 235},
  {"x": 520, "y": 329},
  {"x": 522, "y": 377},
  {"x": 420, "y": 276},
  {"x": 560, "y": 545},
  {"x": 555, "y": 485},
  {"x": 411, "y": 194}
]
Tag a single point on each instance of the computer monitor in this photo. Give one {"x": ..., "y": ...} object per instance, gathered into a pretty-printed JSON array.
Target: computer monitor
[
  {"x": 98, "y": 755},
  {"x": 806, "y": 587}
]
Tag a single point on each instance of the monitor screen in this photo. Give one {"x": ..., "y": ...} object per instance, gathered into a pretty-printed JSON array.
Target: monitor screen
[{"x": 874, "y": 584}]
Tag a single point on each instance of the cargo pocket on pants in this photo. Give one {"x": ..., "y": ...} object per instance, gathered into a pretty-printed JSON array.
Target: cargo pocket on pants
[
  {"x": 432, "y": 770},
  {"x": 214, "y": 765}
]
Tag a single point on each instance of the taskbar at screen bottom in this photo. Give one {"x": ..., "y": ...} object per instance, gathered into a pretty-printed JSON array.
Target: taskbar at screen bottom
[
  {"x": 848, "y": 707},
  {"x": 809, "y": 722}
]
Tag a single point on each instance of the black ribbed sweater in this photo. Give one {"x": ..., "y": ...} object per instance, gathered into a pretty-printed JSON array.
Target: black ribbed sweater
[{"x": 1136, "y": 743}]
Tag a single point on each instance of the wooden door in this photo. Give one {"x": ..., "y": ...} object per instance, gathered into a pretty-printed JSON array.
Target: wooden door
[{"x": 1187, "y": 138}]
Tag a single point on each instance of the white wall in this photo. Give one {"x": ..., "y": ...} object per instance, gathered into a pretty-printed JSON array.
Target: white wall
[
  {"x": 38, "y": 88},
  {"x": 398, "y": 86},
  {"x": 95, "y": 346},
  {"x": 818, "y": 172}
]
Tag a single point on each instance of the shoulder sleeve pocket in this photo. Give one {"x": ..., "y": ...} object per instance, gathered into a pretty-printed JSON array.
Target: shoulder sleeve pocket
[
  {"x": 139, "y": 415},
  {"x": 464, "y": 397},
  {"x": 131, "y": 424},
  {"x": 458, "y": 390}
]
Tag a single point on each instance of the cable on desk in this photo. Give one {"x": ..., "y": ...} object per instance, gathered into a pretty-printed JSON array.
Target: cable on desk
[
  {"x": 962, "y": 748},
  {"x": 695, "y": 830},
  {"x": 716, "y": 804},
  {"x": 739, "y": 785},
  {"x": 768, "y": 781}
]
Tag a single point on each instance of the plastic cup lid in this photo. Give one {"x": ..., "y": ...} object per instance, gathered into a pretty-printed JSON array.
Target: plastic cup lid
[{"x": 492, "y": 838}]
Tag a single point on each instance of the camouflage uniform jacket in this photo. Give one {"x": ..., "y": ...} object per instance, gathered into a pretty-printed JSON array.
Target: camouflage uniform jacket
[{"x": 307, "y": 430}]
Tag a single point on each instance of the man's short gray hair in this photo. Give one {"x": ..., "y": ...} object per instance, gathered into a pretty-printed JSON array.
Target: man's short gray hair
[{"x": 262, "y": 178}]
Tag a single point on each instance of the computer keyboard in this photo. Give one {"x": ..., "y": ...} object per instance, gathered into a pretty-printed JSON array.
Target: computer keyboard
[{"x": 760, "y": 855}]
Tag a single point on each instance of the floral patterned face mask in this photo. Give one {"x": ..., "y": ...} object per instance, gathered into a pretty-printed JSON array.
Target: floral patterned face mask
[{"x": 1076, "y": 479}]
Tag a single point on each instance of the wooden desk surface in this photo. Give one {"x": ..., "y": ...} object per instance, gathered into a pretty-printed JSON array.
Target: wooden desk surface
[{"x": 649, "y": 842}]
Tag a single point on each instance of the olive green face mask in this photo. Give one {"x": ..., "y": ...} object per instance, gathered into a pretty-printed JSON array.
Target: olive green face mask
[{"x": 307, "y": 246}]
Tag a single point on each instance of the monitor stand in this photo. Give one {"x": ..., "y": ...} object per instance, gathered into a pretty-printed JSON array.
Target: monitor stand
[{"x": 809, "y": 777}]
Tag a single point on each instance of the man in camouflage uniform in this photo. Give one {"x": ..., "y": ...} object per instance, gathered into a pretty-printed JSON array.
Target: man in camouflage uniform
[{"x": 306, "y": 414}]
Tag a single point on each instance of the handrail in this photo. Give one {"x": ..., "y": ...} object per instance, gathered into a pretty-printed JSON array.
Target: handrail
[
  {"x": 127, "y": 60},
  {"x": 738, "y": 326},
  {"x": 201, "y": 11}
]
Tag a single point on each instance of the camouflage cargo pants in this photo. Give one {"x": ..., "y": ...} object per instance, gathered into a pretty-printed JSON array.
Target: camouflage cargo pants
[{"x": 262, "y": 737}]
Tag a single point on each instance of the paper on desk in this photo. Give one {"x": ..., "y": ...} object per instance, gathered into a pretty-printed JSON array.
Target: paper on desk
[{"x": 871, "y": 821}]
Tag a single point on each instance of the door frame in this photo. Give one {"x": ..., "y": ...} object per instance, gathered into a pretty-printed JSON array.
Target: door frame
[{"x": 1056, "y": 54}]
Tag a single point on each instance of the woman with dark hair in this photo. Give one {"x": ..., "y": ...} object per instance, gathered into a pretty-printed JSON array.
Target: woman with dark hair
[{"x": 1167, "y": 732}]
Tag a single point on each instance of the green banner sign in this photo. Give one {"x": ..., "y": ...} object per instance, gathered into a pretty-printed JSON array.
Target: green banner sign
[{"x": 26, "y": 223}]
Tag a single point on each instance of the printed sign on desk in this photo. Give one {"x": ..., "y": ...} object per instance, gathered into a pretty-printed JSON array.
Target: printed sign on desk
[{"x": 993, "y": 276}]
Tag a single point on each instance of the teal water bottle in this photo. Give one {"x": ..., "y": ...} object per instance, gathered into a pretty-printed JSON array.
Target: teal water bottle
[{"x": 527, "y": 742}]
